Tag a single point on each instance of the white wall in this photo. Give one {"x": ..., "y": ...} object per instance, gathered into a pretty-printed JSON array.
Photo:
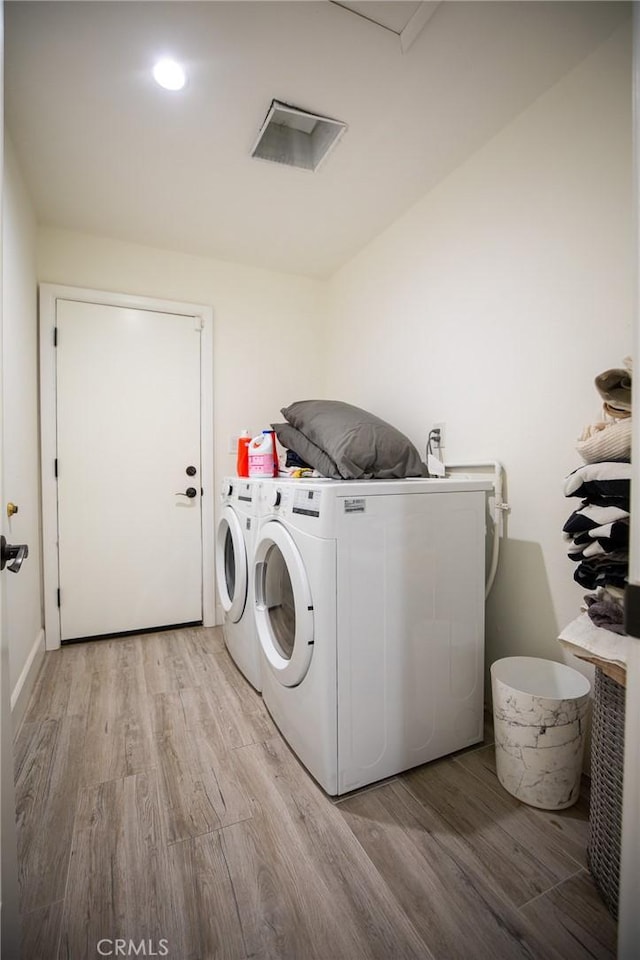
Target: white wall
[
  {"x": 23, "y": 593},
  {"x": 492, "y": 305},
  {"x": 268, "y": 346}
]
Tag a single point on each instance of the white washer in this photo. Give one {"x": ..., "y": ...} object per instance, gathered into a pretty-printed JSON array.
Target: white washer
[
  {"x": 235, "y": 543},
  {"x": 369, "y": 604}
]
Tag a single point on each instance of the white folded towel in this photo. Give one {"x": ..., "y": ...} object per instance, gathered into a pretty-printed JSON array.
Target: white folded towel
[{"x": 582, "y": 636}]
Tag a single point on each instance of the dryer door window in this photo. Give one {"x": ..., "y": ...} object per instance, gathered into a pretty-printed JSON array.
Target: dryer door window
[
  {"x": 280, "y": 603},
  {"x": 284, "y": 608},
  {"x": 231, "y": 564}
]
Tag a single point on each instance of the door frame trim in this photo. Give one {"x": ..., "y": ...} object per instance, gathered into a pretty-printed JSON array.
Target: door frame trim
[{"x": 49, "y": 293}]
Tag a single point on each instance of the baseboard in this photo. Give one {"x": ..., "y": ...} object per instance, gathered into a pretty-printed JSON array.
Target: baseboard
[{"x": 26, "y": 680}]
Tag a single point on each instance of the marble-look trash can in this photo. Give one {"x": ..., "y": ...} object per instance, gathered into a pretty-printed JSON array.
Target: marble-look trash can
[{"x": 540, "y": 710}]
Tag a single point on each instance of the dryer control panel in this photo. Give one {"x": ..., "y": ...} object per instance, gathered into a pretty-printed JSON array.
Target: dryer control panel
[{"x": 307, "y": 502}]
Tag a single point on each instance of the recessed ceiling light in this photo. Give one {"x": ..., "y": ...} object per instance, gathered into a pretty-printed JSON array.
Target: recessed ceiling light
[{"x": 169, "y": 74}]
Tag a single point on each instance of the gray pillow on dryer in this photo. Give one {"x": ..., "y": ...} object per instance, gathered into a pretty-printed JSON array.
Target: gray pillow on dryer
[
  {"x": 292, "y": 439},
  {"x": 359, "y": 445}
]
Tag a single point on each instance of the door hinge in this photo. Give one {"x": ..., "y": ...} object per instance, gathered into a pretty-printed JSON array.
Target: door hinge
[
  {"x": 55, "y": 468},
  {"x": 58, "y": 596},
  {"x": 55, "y": 336}
]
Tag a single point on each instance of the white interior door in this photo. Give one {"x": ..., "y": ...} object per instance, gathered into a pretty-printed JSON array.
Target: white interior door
[
  {"x": 10, "y": 934},
  {"x": 128, "y": 430}
]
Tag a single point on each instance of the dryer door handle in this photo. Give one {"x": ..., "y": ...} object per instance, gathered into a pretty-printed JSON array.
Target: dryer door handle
[{"x": 259, "y": 585}]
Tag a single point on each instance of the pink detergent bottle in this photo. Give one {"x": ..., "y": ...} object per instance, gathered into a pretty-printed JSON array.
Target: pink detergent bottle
[{"x": 261, "y": 455}]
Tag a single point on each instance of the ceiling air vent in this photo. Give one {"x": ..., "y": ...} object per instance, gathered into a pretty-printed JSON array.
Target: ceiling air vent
[{"x": 296, "y": 137}]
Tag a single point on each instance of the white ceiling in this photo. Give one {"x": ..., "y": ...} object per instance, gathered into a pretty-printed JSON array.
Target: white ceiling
[
  {"x": 392, "y": 14},
  {"x": 107, "y": 151}
]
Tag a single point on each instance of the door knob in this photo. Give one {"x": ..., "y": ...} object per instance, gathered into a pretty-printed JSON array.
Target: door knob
[
  {"x": 11, "y": 509},
  {"x": 12, "y": 555},
  {"x": 190, "y": 492}
]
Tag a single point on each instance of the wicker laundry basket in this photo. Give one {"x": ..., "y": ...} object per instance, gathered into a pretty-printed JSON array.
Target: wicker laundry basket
[{"x": 605, "y": 812}]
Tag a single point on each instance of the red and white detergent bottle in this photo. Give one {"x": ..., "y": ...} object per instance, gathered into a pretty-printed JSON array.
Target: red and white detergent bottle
[{"x": 242, "y": 460}]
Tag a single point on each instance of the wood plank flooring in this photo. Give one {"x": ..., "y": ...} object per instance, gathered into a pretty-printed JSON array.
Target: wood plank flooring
[{"x": 158, "y": 804}]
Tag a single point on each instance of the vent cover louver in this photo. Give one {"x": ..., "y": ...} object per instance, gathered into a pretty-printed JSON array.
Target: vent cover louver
[{"x": 296, "y": 137}]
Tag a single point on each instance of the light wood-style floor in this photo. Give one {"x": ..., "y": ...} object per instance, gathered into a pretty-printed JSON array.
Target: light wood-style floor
[{"x": 157, "y": 802}]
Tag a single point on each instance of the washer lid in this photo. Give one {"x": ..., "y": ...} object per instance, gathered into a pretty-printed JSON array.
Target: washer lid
[
  {"x": 283, "y": 605},
  {"x": 231, "y": 564}
]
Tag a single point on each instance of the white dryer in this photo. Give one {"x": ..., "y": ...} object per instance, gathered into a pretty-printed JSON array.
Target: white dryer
[
  {"x": 369, "y": 605},
  {"x": 235, "y": 543}
]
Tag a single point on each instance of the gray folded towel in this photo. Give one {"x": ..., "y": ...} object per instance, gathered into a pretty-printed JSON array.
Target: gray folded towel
[{"x": 606, "y": 613}]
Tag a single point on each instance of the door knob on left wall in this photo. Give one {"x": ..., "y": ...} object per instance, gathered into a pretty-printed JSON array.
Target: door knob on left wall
[{"x": 11, "y": 509}]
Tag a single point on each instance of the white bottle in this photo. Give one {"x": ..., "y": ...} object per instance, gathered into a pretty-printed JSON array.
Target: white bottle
[{"x": 261, "y": 456}]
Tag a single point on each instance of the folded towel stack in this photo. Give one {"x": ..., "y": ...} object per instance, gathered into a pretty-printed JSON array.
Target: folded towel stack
[{"x": 598, "y": 530}]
